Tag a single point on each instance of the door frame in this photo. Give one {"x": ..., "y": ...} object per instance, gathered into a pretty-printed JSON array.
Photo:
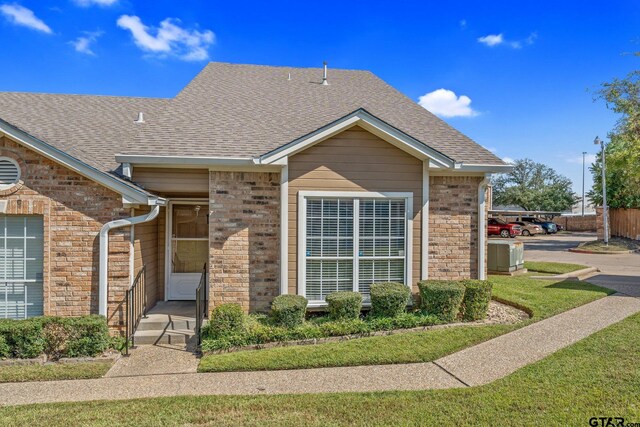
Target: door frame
[{"x": 167, "y": 235}]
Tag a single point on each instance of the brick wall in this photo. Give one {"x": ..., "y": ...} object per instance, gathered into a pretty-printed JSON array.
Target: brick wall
[
  {"x": 244, "y": 228},
  {"x": 453, "y": 227},
  {"x": 74, "y": 209},
  {"x": 577, "y": 223}
]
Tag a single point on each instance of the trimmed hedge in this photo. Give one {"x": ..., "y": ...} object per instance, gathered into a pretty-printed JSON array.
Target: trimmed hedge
[
  {"x": 225, "y": 319},
  {"x": 475, "y": 304},
  {"x": 344, "y": 305},
  {"x": 288, "y": 310},
  {"x": 442, "y": 298},
  {"x": 389, "y": 299},
  {"x": 54, "y": 336},
  {"x": 260, "y": 331}
]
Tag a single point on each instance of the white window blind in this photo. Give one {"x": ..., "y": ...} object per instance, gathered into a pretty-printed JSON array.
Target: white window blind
[
  {"x": 21, "y": 255},
  {"x": 353, "y": 243}
]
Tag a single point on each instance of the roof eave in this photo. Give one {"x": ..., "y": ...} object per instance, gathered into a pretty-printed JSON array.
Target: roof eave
[{"x": 369, "y": 122}]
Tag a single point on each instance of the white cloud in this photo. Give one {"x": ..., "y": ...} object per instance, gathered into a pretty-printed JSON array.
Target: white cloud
[
  {"x": 83, "y": 43},
  {"x": 169, "y": 39},
  {"x": 446, "y": 103},
  {"x": 588, "y": 159},
  {"x": 508, "y": 160},
  {"x": 87, "y": 3},
  {"x": 492, "y": 40},
  {"x": 20, "y": 15}
]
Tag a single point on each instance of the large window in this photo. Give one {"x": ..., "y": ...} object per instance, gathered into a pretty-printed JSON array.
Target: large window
[
  {"x": 21, "y": 254},
  {"x": 353, "y": 242}
]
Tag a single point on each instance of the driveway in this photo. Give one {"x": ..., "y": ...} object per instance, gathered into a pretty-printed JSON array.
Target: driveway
[{"x": 619, "y": 272}]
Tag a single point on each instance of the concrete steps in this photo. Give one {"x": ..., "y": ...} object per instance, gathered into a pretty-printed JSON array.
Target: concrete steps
[{"x": 168, "y": 322}]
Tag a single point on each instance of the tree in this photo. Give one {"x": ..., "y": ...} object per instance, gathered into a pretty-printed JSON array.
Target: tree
[
  {"x": 533, "y": 186},
  {"x": 623, "y": 151}
]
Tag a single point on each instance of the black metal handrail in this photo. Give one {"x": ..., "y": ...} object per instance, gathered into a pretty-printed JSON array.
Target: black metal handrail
[
  {"x": 135, "y": 306},
  {"x": 202, "y": 304}
]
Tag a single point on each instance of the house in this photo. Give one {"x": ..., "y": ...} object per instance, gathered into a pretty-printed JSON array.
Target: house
[{"x": 279, "y": 180}]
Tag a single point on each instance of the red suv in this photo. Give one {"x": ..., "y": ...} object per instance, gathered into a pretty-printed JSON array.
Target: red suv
[{"x": 497, "y": 227}]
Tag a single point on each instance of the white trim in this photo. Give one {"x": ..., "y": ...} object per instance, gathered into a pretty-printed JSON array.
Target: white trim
[
  {"x": 369, "y": 122},
  {"x": 424, "y": 250},
  {"x": 357, "y": 195},
  {"x": 482, "y": 227},
  {"x": 76, "y": 165},
  {"x": 183, "y": 160},
  {"x": 168, "y": 239},
  {"x": 284, "y": 230},
  {"x": 18, "y": 175}
]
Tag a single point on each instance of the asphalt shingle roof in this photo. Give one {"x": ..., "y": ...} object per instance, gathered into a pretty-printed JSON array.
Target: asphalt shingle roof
[{"x": 227, "y": 110}]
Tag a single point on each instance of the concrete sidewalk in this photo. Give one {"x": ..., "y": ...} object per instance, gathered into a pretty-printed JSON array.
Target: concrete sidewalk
[{"x": 476, "y": 365}]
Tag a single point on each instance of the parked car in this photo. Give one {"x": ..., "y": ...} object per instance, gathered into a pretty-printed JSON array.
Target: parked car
[
  {"x": 529, "y": 228},
  {"x": 559, "y": 227},
  {"x": 548, "y": 226},
  {"x": 497, "y": 227}
]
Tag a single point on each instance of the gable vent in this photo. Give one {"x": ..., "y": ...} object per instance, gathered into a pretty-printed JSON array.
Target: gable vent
[{"x": 9, "y": 172}]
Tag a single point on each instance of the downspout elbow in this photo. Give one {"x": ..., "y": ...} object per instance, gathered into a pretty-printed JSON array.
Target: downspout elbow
[{"x": 103, "y": 290}]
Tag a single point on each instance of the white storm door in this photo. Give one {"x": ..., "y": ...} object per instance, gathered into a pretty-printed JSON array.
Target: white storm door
[{"x": 188, "y": 248}]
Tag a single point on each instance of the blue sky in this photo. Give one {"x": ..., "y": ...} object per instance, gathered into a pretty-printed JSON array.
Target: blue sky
[{"x": 514, "y": 76}]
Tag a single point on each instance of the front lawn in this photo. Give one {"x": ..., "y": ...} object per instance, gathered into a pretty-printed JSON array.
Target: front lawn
[
  {"x": 552, "y": 267},
  {"x": 71, "y": 371},
  {"x": 541, "y": 298},
  {"x": 596, "y": 377}
]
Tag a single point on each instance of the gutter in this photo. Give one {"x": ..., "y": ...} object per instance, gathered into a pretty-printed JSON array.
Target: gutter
[
  {"x": 104, "y": 252},
  {"x": 482, "y": 221}
]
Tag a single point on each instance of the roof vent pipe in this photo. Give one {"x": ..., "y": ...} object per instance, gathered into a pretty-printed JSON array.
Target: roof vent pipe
[
  {"x": 324, "y": 75},
  {"x": 140, "y": 118},
  {"x": 289, "y": 78}
]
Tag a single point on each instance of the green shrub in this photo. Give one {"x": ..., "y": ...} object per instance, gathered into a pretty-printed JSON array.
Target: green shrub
[
  {"x": 24, "y": 337},
  {"x": 344, "y": 305},
  {"x": 389, "y": 299},
  {"x": 226, "y": 319},
  {"x": 442, "y": 298},
  {"x": 56, "y": 336},
  {"x": 288, "y": 310},
  {"x": 475, "y": 303},
  {"x": 5, "y": 350},
  {"x": 89, "y": 335}
]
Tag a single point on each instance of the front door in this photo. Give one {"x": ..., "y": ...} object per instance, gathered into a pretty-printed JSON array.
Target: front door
[{"x": 188, "y": 248}]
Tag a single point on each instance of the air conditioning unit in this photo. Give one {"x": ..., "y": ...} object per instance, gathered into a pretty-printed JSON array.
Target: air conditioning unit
[{"x": 505, "y": 256}]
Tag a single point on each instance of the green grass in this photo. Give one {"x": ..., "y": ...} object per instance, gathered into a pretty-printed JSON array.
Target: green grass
[
  {"x": 598, "y": 376},
  {"x": 541, "y": 298},
  {"x": 552, "y": 267},
  {"x": 71, "y": 371}
]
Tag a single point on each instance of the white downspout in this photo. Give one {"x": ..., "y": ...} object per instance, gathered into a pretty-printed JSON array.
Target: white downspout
[
  {"x": 104, "y": 252},
  {"x": 482, "y": 222}
]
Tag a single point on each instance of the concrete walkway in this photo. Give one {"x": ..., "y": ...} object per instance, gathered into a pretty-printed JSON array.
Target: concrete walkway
[{"x": 476, "y": 365}]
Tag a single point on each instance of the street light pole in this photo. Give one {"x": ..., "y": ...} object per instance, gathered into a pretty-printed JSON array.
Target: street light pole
[
  {"x": 604, "y": 193},
  {"x": 584, "y": 153}
]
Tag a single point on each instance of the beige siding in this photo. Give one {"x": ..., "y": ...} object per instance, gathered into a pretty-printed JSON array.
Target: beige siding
[
  {"x": 354, "y": 160},
  {"x": 172, "y": 182},
  {"x": 146, "y": 253}
]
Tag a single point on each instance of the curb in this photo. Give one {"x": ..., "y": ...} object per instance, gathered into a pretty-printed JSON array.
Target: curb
[
  {"x": 586, "y": 251},
  {"x": 574, "y": 275}
]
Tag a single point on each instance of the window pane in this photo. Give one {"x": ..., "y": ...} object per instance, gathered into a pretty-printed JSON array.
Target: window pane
[
  {"x": 190, "y": 221},
  {"x": 327, "y": 276},
  {"x": 314, "y": 208},
  {"x": 329, "y": 208},
  {"x": 21, "y": 293}
]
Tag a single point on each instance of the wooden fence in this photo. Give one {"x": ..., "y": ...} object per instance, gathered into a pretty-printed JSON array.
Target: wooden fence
[{"x": 625, "y": 223}]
